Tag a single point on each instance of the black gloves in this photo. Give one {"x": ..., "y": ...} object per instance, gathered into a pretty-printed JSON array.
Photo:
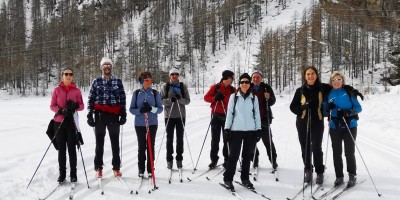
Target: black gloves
[
  {"x": 330, "y": 106},
  {"x": 71, "y": 105},
  {"x": 68, "y": 113},
  {"x": 122, "y": 118},
  {"x": 342, "y": 113},
  {"x": 145, "y": 108},
  {"x": 90, "y": 119},
  {"x": 227, "y": 134},
  {"x": 304, "y": 106},
  {"x": 175, "y": 98},
  {"x": 258, "y": 134},
  {"x": 218, "y": 96}
]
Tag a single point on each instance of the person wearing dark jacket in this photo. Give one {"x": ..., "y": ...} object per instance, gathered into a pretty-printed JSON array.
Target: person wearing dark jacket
[
  {"x": 175, "y": 97},
  {"x": 307, "y": 105},
  {"x": 343, "y": 109},
  {"x": 107, "y": 101},
  {"x": 266, "y": 99},
  {"x": 243, "y": 125},
  {"x": 146, "y": 102},
  {"x": 66, "y": 100},
  {"x": 218, "y": 96}
]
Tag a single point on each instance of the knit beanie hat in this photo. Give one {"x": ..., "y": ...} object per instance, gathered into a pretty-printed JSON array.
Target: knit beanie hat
[
  {"x": 256, "y": 71},
  {"x": 245, "y": 75},
  {"x": 106, "y": 60},
  {"x": 227, "y": 74},
  {"x": 174, "y": 70}
]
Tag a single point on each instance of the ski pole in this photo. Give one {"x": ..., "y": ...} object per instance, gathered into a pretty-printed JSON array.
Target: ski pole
[
  {"x": 201, "y": 150},
  {"x": 122, "y": 136},
  {"x": 149, "y": 148},
  {"x": 45, "y": 153},
  {"x": 166, "y": 125},
  {"x": 359, "y": 152},
  {"x": 80, "y": 150},
  {"x": 184, "y": 132},
  {"x": 327, "y": 141},
  {"x": 308, "y": 143}
]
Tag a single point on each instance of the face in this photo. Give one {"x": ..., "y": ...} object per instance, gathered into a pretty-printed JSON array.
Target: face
[
  {"x": 229, "y": 81},
  {"x": 174, "y": 77},
  {"x": 67, "y": 76},
  {"x": 337, "y": 82},
  {"x": 147, "y": 81},
  {"x": 106, "y": 68},
  {"x": 310, "y": 76},
  {"x": 256, "y": 79},
  {"x": 244, "y": 84}
]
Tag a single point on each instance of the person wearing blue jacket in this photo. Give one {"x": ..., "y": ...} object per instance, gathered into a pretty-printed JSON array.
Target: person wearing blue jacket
[
  {"x": 242, "y": 125},
  {"x": 145, "y": 101},
  {"x": 343, "y": 109}
]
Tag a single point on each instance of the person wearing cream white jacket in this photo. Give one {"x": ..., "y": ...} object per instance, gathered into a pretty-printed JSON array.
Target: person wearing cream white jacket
[{"x": 242, "y": 125}]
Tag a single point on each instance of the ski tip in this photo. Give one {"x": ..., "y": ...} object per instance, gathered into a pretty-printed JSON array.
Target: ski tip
[
  {"x": 102, "y": 193},
  {"x": 207, "y": 178},
  {"x": 189, "y": 179},
  {"x": 169, "y": 181},
  {"x": 137, "y": 192},
  {"x": 277, "y": 180},
  {"x": 255, "y": 179},
  {"x": 379, "y": 195},
  {"x": 149, "y": 191},
  {"x": 181, "y": 180}
]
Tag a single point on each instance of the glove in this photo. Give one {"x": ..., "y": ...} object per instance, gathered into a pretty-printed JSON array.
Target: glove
[
  {"x": 71, "y": 105},
  {"x": 227, "y": 134},
  {"x": 145, "y": 108},
  {"x": 175, "y": 98},
  {"x": 122, "y": 118},
  {"x": 68, "y": 113},
  {"x": 258, "y": 134},
  {"x": 90, "y": 119},
  {"x": 330, "y": 106},
  {"x": 342, "y": 113},
  {"x": 305, "y": 106},
  {"x": 219, "y": 96},
  {"x": 60, "y": 111}
]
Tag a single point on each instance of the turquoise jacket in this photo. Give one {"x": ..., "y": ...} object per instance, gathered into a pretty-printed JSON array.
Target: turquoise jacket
[{"x": 245, "y": 119}]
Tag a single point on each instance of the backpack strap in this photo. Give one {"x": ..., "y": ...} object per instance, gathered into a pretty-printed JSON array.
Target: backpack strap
[{"x": 137, "y": 95}]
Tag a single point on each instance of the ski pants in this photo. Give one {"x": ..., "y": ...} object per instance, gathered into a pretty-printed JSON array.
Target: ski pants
[
  {"x": 172, "y": 124},
  {"x": 143, "y": 148},
  {"x": 337, "y": 137},
  {"x": 217, "y": 126},
  {"x": 248, "y": 138},
  {"x": 265, "y": 128},
  {"x": 66, "y": 137},
  {"x": 311, "y": 144}
]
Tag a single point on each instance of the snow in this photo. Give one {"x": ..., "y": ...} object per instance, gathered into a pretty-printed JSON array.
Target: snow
[{"x": 24, "y": 142}]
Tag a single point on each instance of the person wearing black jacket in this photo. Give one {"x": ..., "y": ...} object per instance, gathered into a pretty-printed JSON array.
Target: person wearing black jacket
[
  {"x": 266, "y": 99},
  {"x": 307, "y": 105}
]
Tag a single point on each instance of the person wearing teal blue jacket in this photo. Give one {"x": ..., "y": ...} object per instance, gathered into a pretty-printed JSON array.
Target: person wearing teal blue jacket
[{"x": 342, "y": 108}]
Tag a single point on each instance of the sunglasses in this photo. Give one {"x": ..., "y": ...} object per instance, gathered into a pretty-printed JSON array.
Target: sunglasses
[
  {"x": 107, "y": 65},
  {"x": 174, "y": 74},
  {"x": 68, "y": 74},
  {"x": 337, "y": 80},
  {"x": 244, "y": 82}
]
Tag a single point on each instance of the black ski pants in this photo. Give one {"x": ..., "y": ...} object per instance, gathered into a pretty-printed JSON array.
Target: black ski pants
[
  {"x": 248, "y": 138},
  {"x": 110, "y": 122},
  {"x": 265, "y": 128},
  {"x": 310, "y": 139},
  {"x": 143, "y": 148},
  {"x": 66, "y": 137},
  {"x": 217, "y": 126},
  {"x": 172, "y": 124},
  {"x": 337, "y": 137}
]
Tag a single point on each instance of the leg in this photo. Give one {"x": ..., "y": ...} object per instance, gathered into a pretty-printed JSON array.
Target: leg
[
  {"x": 71, "y": 142},
  {"x": 100, "y": 132},
  {"x": 336, "y": 138},
  {"x": 179, "y": 138},
  {"x": 317, "y": 134},
  {"x": 305, "y": 146},
  {"x": 153, "y": 131},
  {"x": 61, "y": 140},
  {"x": 170, "y": 138},
  {"x": 349, "y": 151},
  {"x": 215, "y": 138},
  {"x": 235, "y": 145},
  {"x": 249, "y": 141},
  {"x": 266, "y": 132},
  {"x": 113, "y": 131},
  {"x": 141, "y": 138}
]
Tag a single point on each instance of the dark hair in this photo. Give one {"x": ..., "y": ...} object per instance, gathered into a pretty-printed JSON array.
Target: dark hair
[
  {"x": 144, "y": 74},
  {"x": 67, "y": 68},
  {"x": 304, "y": 74}
]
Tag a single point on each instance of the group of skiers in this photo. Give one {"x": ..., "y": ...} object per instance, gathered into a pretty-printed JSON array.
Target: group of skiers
[{"x": 243, "y": 115}]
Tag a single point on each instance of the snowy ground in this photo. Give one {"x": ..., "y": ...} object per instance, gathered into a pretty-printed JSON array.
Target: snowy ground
[{"x": 23, "y": 142}]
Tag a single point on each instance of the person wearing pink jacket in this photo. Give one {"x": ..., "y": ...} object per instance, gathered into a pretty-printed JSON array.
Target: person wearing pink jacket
[{"x": 65, "y": 101}]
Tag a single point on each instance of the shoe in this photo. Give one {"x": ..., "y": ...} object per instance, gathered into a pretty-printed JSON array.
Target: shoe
[
  {"x": 248, "y": 184},
  {"x": 99, "y": 173},
  {"x": 141, "y": 173},
  {"x": 308, "y": 176},
  {"x": 169, "y": 164},
  {"x": 255, "y": 163},
  {"x": 117, "y": 173},
  {"x": 179, "y": 164},
  {"x": 320, "y": 179},
  {"x": 338, "y": 181},
  {"x": 213, "y": 164},
  {"x": 61, "y": 178},
  {"x": 73, "y": 176},
  {"x": 229, "y": 185},
  {"x": 149, "y": 175},
  {"x": 352, "y": 180},
  {"x": 275, "y": 165}
]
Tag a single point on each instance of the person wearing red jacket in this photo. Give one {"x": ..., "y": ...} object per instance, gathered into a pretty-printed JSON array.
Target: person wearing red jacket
[
  {"x": 218, "y": 95},
  {"x": 65, "y": 101}
]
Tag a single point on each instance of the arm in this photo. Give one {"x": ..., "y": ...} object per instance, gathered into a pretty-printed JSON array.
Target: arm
[
  {"x": 295, "y": 104},
  {"x": 121, "y": 94},
  {"x": 132, "y": 109},
  {"x": 272, "y": 99},
  {"x": 186, "y": 100},
  {"x": 209, "y": 96},
  {"x": 53, "y": 104},
  {"x": 257, "y": 113},
  {"x": 229, "y": 114},
  {"x": 80, "y": 101},
  {"x": 159, "y": 103},
  {"x": 92, "y": 96},
  {"x": 165, "y": 101}
]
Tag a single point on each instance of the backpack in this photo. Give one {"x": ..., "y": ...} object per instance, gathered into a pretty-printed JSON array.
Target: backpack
[
  {"x": 167, "y": 86},
  {"x": 154, "y": 93}
]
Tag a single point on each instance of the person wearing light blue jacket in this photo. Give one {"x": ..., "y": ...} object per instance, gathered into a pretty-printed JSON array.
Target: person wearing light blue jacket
[
  {"x": 145, "y": 102},
  {"x": 242, "y": 125},
  {"x": 342, "y": 108}
]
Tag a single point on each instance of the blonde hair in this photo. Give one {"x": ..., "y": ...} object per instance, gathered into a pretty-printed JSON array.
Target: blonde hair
[{"x": 335, "y": 74}]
